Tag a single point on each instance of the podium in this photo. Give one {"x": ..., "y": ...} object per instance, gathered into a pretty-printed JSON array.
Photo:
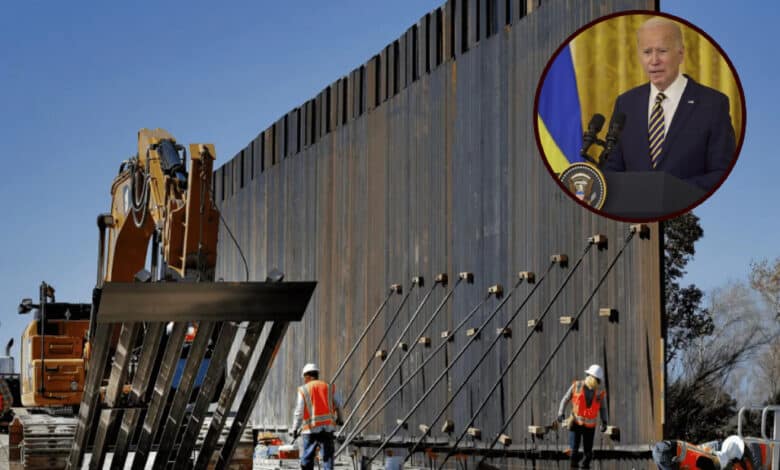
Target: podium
[{"x": 647, "y": 194}]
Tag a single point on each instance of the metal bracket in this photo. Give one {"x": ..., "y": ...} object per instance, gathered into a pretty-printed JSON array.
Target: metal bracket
[
  {"x": 599, "y": 240},
  {"x": 527, "y": 276},
  {"x": 642, "y": 229},
  {"x": 497, "y": 290},
  {"x": 560, "y": 259}
]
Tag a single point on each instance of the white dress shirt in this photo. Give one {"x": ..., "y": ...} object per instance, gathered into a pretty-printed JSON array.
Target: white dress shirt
[{"x": 673, "y": 94}]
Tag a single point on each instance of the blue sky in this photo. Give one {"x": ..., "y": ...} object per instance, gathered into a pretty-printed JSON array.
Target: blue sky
[{"x": 78, "y": 80}]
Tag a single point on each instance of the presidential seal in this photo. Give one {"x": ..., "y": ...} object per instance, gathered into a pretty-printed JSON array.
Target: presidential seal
[{"x": 586, "y": 183}]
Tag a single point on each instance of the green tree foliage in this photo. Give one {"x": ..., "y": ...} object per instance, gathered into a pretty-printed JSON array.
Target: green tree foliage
[{"x": 686, "y": 320}]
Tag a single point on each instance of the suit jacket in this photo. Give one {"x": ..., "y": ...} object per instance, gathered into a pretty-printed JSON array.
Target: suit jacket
[{"x": 698, "y": 148}]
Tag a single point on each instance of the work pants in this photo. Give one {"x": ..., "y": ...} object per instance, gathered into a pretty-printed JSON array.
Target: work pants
[
  {"x": 310, "y": 442},
  {"x": 579, "y": 433}
]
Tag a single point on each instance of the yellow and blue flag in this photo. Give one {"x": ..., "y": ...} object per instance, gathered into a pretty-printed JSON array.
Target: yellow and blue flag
[{"x": 559, "y": 113}]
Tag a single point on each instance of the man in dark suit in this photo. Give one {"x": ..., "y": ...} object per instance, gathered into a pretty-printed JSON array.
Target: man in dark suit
[{"x": 673, "y": 124}]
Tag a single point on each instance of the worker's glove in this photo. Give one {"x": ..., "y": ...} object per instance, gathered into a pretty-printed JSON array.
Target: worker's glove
[
  {"x": 561, "y": 418},
  {"x": 294, "y": 433},
  {"x": 603, "y": 427}
]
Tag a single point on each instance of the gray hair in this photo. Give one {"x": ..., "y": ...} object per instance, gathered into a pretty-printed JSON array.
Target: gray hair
[{"x": 662, "y": 22}]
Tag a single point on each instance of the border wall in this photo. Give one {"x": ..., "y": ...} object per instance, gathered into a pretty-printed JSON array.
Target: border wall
[{"x": 423, "y": 160}]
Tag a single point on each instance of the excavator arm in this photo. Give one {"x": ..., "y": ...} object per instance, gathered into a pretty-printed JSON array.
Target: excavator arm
[
  {"x": 161, "y": 204},
  {"x": 155, "y": 192}
]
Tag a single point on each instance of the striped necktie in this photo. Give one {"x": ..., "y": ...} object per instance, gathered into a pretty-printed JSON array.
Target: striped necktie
[{"x": 657, "y": 129}]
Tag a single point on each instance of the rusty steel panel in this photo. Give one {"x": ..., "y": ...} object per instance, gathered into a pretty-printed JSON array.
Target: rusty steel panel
[
  {"x": 483, "y": 19},
  {"x": 434, "y": 40},
  {"x": 319, "y": 116},
  {"x": 503, "y": 14},
  {"x": 259, "y": 154},
  {"x": 448, "y": 30},
  {"x": 384, "y": 66},
  {"x": 471, "y": 10},
  {"x": 422, "y": 45},
  {"x": 410, "y": 55},
  {"x": 268, "y": 146},
  {"x": 352, "y": 94},
  {"x": 331, "y": 106},
  {"x": 279, "y": 143},
  {"x": 445, "y": 177},
  {"x": 460, "y": 26}
]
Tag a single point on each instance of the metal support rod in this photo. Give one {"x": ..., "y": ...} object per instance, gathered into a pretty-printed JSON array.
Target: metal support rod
[
  {"x": 89, "y": 399},
  {"x": 395, "y": 288},
  {"x": 175, "y": 416},
  {"x": 159, "y": 398},
  {"x": 263, "y": 366},
  {"x": 366, "y": 420},
  {"x": 99, "y": 355},
  {"x": 138, "y": 391},
  {"x": 460, "y": 353},
  {"x": 415, "y": 281},
  {"x": 127, "y": 338},
  {"x": 412, "y": 345},
  {"x": 487, "y": 351},
  {"x": 555, "y": 351},
  {"x": 436, "y": 282},
  {"x": 214, "y": 373},
  {"x": 239, "y": 367}
]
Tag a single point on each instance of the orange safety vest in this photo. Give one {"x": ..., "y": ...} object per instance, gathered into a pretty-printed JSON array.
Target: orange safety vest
[
  {"x": 583, "y": 414},
  {"x": 688, "y": 454},
  {"x": 318, "y": 405}
]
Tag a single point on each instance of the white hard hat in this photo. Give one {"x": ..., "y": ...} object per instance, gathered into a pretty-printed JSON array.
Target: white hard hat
[
  {"x": 310, "y": 367},
  {"x": 596, "y": 371},
  {"x": 733, "y": 448}
]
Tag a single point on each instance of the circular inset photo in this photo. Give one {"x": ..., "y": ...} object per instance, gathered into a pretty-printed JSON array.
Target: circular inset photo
[{"x": 639, "y": 116}]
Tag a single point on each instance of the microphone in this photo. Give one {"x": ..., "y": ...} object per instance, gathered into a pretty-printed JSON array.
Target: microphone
[
  {"x": 613, "y": 136},
  {"x": 591, "y": 135}
]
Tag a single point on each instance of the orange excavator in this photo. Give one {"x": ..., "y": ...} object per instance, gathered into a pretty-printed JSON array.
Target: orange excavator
[
  {"x": 136, "y": 382},
  {"x": 155, "y": 198}
]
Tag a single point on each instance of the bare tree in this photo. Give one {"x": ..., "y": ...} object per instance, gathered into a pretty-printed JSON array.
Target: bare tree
[
  {"x": 769, "y": 366},
  {"x": 765, "y": 278},
  {"x": 740, "y": 334},
  {"x": 701, "y": 402}
]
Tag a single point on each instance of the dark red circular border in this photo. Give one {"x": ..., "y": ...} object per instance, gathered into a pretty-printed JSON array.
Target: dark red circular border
[{"x": 627, "y": 13}]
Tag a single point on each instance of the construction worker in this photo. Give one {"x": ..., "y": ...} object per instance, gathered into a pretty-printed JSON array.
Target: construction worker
[
  {"x": 317, "y": 412},
  {"x": 587, "y": 399},
  {"x": 678, "y": 455}
]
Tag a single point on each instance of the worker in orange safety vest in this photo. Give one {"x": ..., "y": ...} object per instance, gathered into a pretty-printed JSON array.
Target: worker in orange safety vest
[
  {"x": 732, "y": 454},
  {"x": 588, "y": 401},
  {"x": 317, "y": 412}
]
